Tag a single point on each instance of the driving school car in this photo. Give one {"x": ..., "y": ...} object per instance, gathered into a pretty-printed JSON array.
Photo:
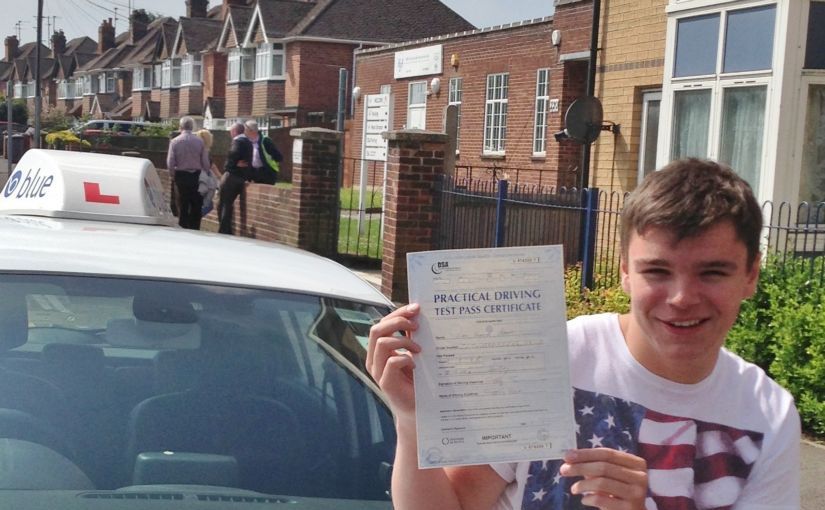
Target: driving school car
[{"x": 147, "y": 366}]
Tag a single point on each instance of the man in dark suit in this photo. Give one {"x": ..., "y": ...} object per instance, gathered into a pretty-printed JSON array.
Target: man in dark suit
[
  {"x": 266, "y": 158},
  {"x": 236, "y": 172}
]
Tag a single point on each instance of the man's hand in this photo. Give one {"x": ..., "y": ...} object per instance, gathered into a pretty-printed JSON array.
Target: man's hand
[
  {"x": 613, "y": 480},
  {"x": 389, "y": 359},
  {"x": 242, "y": 164}
]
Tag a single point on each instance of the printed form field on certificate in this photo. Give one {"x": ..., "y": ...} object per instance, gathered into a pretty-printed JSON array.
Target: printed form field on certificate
[{"x": 492, "y": 381}]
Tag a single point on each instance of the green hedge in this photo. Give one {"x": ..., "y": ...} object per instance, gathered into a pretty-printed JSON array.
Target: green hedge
[{"x": 781, "y": 328}]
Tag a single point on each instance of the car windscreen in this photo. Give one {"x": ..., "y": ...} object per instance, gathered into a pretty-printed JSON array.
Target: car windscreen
[{"x": 140, "y": 382}]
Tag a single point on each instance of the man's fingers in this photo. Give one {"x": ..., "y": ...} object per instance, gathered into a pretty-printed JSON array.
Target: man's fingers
[
  {"x": 398, "y": 320},
  {"x": 386, "y": 348},
  {"x": 609, "y": 455}
]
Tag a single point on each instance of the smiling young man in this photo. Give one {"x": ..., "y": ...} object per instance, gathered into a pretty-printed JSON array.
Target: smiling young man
[{"x": 667, "y": 418}]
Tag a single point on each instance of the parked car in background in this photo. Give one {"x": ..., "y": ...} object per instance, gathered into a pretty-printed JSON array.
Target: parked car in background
[
  {"x": 116, "y": 127},
  {"x": 147, "y": 366}
]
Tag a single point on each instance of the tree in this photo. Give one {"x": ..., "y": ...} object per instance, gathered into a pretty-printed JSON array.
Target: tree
[{"x": 19, "y": 111}]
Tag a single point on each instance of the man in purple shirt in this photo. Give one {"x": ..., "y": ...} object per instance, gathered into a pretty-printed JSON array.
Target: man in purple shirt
[{"x": 186, "y": 159}]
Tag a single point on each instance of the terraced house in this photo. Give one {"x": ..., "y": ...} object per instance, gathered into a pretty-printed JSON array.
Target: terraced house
[{"x": 276, "y": 61}]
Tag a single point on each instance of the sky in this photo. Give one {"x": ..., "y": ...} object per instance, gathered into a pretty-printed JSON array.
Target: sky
[{"x": 82, "y": 17}]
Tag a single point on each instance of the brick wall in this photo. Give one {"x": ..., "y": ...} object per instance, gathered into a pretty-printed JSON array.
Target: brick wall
[
  {"x": 315, "y": 66},
  {"x": 139, "y": 99},
  {"x": 191, "y": 100},
  {"x": 238, "y": 99},
  {"x": 519, "y": 51},
  {"x": 214, "y": 74},
  {"x": 414, "y": 160},
  {"x": 632, "y": 61},
  {"x": 169, "y": 103},
  {"x": 266, "y": 96}
]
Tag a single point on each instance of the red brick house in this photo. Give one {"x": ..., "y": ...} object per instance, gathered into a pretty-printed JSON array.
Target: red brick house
[
  {"x": 511, "y": 85},
  {"x": 283, "y": 57}
]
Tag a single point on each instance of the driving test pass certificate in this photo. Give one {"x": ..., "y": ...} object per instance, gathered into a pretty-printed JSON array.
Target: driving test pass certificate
[{"x": 492, "y": 382}]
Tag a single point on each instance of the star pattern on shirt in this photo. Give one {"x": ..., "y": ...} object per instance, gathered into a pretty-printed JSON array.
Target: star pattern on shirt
[{"x": 601, "y": 421}]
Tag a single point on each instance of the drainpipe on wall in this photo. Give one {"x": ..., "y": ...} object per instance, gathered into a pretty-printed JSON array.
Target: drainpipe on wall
[
  {"x": 591, "y": 84},
  {"x": 352, "y": 99}
]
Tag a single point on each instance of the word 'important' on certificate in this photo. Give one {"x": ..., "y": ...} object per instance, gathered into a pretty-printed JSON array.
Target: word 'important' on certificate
[{"x": 492, "y": 381}]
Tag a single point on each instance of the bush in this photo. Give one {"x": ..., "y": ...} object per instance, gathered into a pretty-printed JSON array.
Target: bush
[
  {"x": 56, "y": 120},
  {"x": 782, "y": 329},
  {"x": 603, "y": 298},
  {"x": 66, "y": 139},
  {"x": 19, "y": 111}
]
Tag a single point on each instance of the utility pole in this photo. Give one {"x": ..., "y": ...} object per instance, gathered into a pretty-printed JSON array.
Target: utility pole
[{"x": 37, "y": 106}]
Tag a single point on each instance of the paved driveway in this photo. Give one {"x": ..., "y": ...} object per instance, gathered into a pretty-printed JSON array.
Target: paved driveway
[{"x": 813, "y": 476}]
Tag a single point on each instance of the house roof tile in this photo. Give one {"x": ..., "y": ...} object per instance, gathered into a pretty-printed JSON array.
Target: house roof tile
[
  {"x": 381, "y": 20},
  {"x": 198, "y": 34}
]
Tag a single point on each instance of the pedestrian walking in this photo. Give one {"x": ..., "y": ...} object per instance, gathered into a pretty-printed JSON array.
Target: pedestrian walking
[
  {"x": 209, "y": 181},
  {"x": 186, "y": 159},
  {"x": 235, "y": 175}
]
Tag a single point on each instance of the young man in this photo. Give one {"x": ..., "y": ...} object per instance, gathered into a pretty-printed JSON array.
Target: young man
[{"x": 667, "y": 418}]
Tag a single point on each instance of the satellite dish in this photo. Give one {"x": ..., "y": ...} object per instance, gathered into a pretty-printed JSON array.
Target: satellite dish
[{"x": 583, "y": 120}]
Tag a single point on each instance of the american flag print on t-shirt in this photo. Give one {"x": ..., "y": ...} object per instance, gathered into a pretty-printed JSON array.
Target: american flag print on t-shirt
[{"x": 692, "y": 465}]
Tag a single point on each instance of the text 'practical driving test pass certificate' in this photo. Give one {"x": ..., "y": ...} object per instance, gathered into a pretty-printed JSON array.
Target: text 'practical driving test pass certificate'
[{"x": 492, "y": 382}]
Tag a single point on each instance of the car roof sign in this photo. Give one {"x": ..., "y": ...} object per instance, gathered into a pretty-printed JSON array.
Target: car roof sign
[{"x": 82, "y": 185}]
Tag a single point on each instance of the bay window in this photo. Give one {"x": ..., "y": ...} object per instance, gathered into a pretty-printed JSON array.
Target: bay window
[
  {"x": 106, "y": 82},
  {"x": 157, "y": 74},
  {"x": 241, "y": 64},
  {"x": 170, "y": 73},
  {"x": 269, "y": 61},
  {"x": 142, "y": 78},
  {"x": 191, "y": 70}
]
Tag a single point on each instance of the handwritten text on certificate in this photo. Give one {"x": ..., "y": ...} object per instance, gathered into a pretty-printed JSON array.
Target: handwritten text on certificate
[{"x": 492, "y": 382}]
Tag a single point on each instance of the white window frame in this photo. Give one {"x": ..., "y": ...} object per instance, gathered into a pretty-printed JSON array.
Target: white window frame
[
  {"x": 416, "y": 108},
  {"x": 540, "y": 118},
  {"x": 648, "y": 96},
  {"x": 717, "y": 83},
  {"x": 811, "y": 78},
  {"x": 495, "y": 109},
  {"x": 166, "y": 74},
  {"x": 266, "y": 57},
  {"x": 157, "y": 76},
  {"x": 191, "y": 70},
  {"x": 142, "y": 78},
  {"x": 455, "y": 92},
  {"x": 176, "y": 72}
]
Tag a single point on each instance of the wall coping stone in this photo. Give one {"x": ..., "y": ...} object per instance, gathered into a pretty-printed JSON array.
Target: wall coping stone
[
  {"x": 415, "y": 135},
  {"x": 315, "y": 133}
]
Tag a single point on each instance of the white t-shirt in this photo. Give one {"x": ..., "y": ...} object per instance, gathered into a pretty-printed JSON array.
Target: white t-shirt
[{"x": 728, "y": 442}]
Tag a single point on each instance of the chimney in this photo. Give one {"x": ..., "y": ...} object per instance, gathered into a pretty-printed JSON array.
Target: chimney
[
  {"x": 11, "y": 47},
  {"x": 58, "y": 43},
  {"x": 138, "y": 25},
  {"x": 196, "y": 8},
  {"x": 105, "y": 36},
  {"x": 227, "y": 3}
]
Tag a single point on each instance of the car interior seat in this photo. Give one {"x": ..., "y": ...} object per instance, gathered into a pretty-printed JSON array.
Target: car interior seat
[
  {"x": 23, "y": 391},
  {"x": 224, "y": 414}
]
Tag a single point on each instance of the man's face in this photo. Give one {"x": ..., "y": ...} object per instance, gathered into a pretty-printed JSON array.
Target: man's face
[
  {"x": 685, "y": 296},
  {"x": 251, "y": 134}
]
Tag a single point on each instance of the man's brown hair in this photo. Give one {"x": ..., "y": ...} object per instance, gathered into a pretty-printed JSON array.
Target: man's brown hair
[{"x": 688, "y": 196}]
